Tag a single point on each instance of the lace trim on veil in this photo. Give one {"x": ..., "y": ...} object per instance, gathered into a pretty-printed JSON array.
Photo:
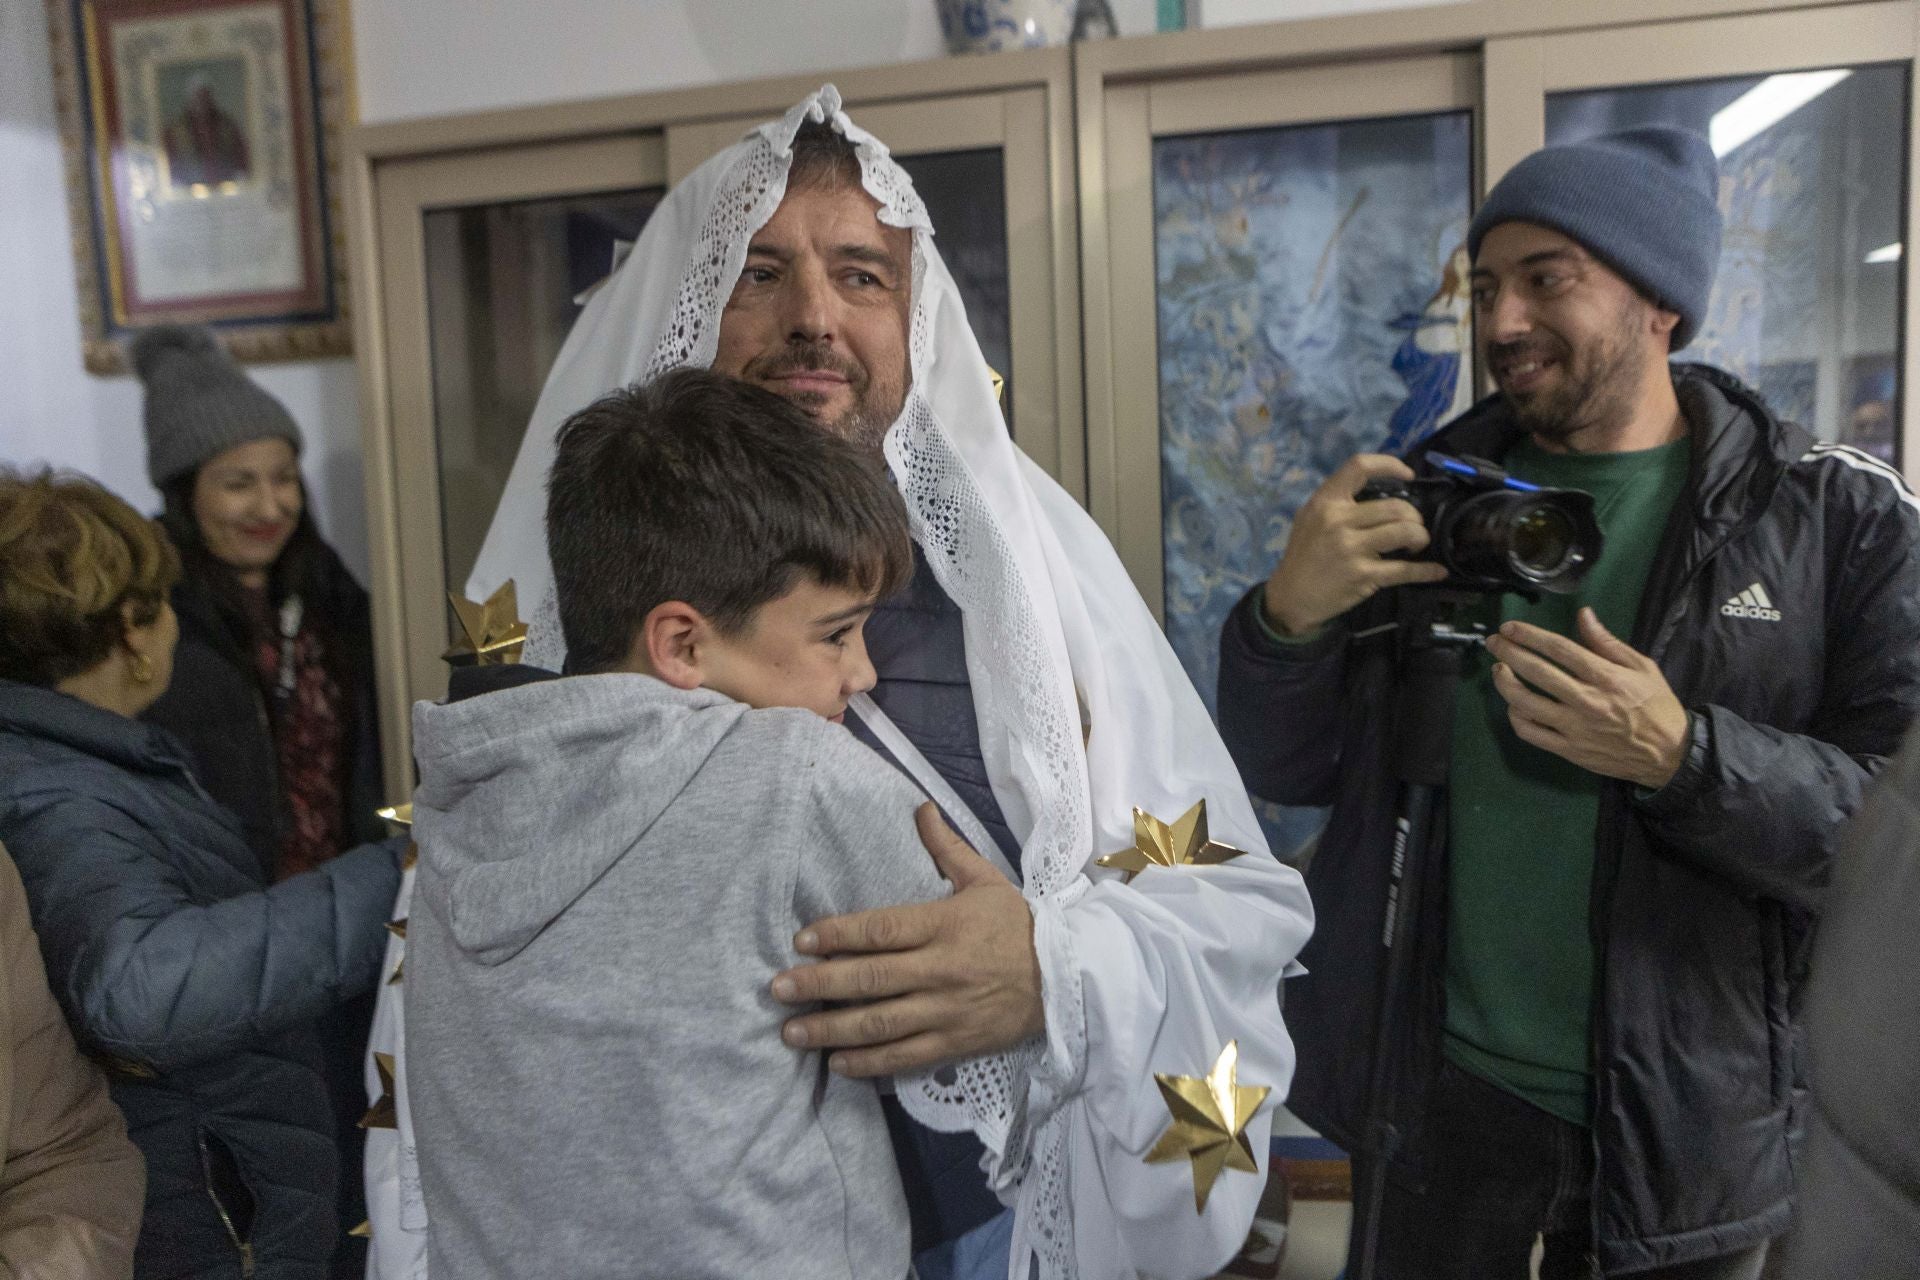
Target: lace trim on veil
[{"x": 1012, "y": 683}]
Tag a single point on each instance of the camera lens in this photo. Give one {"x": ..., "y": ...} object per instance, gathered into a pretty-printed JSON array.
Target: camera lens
[
  {"x": 1522, "y": 541},
  {"x": 1541, "y": 542}
]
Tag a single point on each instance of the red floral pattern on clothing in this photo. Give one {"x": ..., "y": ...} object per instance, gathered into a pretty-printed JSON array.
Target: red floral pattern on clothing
[{"x": 310, "y": 740}]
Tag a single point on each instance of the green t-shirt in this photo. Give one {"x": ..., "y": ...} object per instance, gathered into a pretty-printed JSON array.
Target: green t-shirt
[{"x": 1521, "y": 820}]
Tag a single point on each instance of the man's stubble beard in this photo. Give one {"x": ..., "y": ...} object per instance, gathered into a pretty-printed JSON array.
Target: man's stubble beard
[
  {"x": 864, "y": 424},
  {"x": 875, "y": 406},
  {"x": 1599, "y": 397},
  {"x": 861, "y": 422}
]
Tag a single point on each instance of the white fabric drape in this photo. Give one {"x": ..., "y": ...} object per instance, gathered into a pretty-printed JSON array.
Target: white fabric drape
[{"x": 1084, "y": 713}]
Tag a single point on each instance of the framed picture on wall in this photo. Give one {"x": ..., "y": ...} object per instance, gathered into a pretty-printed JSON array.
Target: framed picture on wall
[{"x": 199, "y": 139}]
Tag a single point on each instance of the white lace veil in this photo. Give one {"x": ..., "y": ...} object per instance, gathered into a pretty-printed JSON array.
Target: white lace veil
[{"x": 1084, "y": 712}]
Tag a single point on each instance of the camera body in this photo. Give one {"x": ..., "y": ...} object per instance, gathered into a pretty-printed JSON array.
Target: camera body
[{"x": 1494, "y": 533}]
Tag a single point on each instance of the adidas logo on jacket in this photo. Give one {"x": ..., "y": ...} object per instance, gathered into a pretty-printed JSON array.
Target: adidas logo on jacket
[{"x": 1751, "y": 603}]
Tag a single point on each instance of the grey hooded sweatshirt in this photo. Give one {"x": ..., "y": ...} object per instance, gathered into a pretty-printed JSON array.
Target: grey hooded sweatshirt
[{"x": 611, "y": 873}]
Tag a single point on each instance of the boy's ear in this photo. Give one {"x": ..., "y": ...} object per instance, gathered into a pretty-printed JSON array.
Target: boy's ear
[{"x": 672, "y": 642}]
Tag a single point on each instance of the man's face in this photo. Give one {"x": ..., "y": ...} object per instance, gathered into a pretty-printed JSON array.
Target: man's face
[
  {"x": 1566, "y": 339},
  {"x": 820, "y": 312}
]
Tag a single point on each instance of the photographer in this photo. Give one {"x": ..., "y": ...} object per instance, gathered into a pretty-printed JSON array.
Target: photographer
[{"x": 1598, "y": 1045}]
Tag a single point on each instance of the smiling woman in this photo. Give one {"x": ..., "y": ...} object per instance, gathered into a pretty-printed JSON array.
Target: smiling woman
[{"x": 273, "y": 689}]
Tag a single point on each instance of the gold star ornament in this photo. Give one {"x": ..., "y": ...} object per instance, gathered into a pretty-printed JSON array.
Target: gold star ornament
[
  {"x": 401, "y": 815},
  {"x": 494, "y": 633},
  {"x": 383, "y": 1114},
  {"x": 1156, "y": 844},
  {"x": 1210, "y": 1115}
]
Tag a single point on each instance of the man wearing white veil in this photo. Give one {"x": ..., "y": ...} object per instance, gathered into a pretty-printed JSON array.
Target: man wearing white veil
[{"x": 1035, "y": 1020}]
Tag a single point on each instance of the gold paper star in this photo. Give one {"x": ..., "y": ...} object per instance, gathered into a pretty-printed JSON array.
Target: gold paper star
[
  {"x": 999, "y": 384},
  {"x": 1155, "y": 844},
  {"x": 398, "y": 928},
  {"x": 363, "y": 1232},
  {"x": 495, "y": 635},
  {"x": 382, "y": 1114},
  {"x": 1210, "y": 1118},
  {"x": 400, "y": 815}
]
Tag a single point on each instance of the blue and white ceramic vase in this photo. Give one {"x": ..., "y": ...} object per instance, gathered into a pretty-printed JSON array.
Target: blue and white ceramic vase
[{"x": 989, "y": 26}]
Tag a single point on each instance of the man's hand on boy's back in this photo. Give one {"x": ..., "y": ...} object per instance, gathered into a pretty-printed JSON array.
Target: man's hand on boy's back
[{"x": 933, "y": 982}]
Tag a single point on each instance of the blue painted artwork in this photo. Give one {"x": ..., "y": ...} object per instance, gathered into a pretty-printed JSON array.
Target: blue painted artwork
[
  {"x": 1312, "y": 305},
  {"x": 1432, "y": 359}
]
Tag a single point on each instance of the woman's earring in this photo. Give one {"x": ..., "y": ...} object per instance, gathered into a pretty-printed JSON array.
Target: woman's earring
[{"x": 142, "y": 669}]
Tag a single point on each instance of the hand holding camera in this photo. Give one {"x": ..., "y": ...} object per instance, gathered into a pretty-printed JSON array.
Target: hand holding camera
[{"x": 1338, "y": 553}]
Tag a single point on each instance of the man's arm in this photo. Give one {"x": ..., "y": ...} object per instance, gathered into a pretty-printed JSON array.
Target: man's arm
[
  {"x": 944, "y": 968},
  {"x": 947, "y": 978},
  {"x": 1283, "y": 649},
  {"x": 1280, "y": 706},
  {"x": 148, "y": 973},
  {"x": 1764, "y": 807},
  {"x": 71, "y": 1184}
]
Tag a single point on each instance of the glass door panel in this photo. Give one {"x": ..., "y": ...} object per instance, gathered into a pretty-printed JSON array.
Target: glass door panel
[
  {"x": 966, "y": 197},
  {"x": 1312, "y": 304},
  {"x": 1807, "y": 304},
  {"x": 505, "y": 283},
  {"x": 482, "y": 255}
]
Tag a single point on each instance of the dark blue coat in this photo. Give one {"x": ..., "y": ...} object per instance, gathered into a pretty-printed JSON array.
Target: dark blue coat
[{"x": 192, "y": 979}]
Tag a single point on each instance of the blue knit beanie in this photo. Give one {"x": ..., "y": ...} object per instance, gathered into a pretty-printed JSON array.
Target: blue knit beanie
[{"x": 1643, "y": 201}]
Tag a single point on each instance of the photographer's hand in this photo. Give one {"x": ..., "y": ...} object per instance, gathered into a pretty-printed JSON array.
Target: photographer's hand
[
  {"x": 1599, "y": 703},
  {"x": 1335, "y": 556}
]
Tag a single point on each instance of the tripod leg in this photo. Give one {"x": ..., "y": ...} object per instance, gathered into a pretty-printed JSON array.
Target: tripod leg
[{"x": 1423, "y": 734}]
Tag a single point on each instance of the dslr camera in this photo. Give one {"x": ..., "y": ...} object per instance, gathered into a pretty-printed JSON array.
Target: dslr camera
[{"x": 1494, "y": 533}]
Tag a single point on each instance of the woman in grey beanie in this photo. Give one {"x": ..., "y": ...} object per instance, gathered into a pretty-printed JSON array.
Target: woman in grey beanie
[{"x": 273, "y": 680}]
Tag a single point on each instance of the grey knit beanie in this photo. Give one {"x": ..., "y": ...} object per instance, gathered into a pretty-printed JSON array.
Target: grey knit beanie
[
  {"x": 1644, "y": 201},
  {"x": 199, "y": 402}
]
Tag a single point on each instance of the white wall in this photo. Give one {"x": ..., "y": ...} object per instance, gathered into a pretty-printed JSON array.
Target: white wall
[{"x": 51, "y": 410}]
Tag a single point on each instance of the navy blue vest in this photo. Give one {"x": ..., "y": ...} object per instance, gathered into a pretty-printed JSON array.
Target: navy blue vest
[{"x": 920, "y": 655}]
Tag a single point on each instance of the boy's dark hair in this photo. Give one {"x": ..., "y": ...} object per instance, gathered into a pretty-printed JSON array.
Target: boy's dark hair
[{"x": 702, "y": 488}]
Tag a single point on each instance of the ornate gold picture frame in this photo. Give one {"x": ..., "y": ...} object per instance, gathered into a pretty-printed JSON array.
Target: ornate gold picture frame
[{"x": 200, "y": 139}]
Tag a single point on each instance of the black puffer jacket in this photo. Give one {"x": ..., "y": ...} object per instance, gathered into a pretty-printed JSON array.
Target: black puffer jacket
[
  {"x": 217, "y": 707},
  {"x": 195, "y": 982},
  {"x": 1705, "y": 892}
]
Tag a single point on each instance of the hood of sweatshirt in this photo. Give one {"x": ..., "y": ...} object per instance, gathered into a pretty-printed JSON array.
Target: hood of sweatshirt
[{"x": 528, "y": 795}]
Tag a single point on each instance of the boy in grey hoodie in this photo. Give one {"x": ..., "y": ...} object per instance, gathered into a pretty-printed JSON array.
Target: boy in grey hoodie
[{"x": 613, "y": 866}]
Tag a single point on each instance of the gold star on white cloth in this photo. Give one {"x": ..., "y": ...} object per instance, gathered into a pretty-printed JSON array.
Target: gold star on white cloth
[
  {"x": 1156, "y": 844},
  {"x": 1210, "y": 1115}
]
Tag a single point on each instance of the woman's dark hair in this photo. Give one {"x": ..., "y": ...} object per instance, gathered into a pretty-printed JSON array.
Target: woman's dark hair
[
  {"x": 305, "y": 568},
  {"x": 701, "y": 488}
]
